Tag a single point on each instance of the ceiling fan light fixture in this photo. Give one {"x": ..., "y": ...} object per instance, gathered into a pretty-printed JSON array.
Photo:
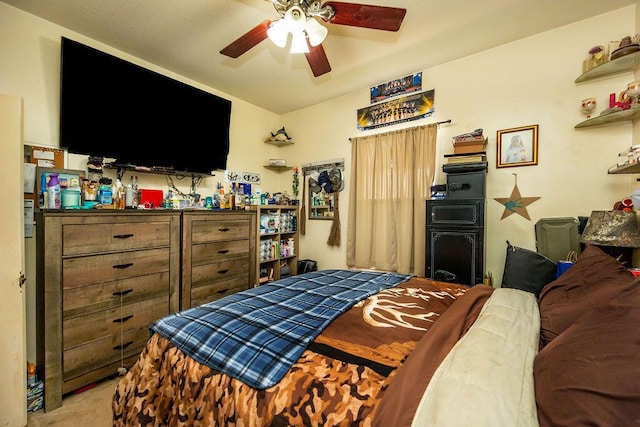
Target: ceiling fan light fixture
[
  {"x": 315, "y": 31},
  {"x": 278, "y": 33},
  {"x": 299, "y": 43},
  {"x": 295, "y": 19}
]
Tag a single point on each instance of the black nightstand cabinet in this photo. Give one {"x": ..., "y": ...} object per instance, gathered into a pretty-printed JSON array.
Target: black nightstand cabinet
[{"x": 455, "y": 240}]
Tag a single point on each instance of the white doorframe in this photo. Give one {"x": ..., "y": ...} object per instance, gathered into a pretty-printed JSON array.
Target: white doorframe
[{"x": 13, "y": 347}]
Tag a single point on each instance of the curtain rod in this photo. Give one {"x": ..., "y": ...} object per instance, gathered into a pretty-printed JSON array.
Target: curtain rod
[{"x": 438, "y": 123}]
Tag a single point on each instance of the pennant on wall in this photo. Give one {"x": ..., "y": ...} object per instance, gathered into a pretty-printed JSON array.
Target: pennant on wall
[{"x": 403, "y": 109}]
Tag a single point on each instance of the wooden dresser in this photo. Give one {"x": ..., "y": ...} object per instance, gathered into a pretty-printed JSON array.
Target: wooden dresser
[
  {"x": 102, "y": 278},
  {"x": 218, "y": 254}
]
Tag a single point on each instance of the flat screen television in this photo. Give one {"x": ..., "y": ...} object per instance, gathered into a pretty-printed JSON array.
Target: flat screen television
[{"x": 115, "y": 109}]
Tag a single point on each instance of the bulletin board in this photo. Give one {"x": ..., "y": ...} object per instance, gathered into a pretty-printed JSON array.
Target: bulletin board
[{"x": 39, "y": 157}]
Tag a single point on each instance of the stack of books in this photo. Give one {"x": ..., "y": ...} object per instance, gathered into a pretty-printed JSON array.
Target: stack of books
[
  {"x": 475, "y": 157},
  {"x": 469, "y": 150},
  {"x": 469, "y": 144}
]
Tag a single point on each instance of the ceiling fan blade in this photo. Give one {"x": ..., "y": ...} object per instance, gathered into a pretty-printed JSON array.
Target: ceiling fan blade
[
  {"x": 317, "y": 60},
  {"x": 248, "y": 40},
  {"x": 366, "y": 16}
]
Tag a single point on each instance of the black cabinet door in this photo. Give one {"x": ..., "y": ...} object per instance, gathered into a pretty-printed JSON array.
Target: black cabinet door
[
  {"x": 455, "y": 241},
  {"x": 455, "y": 255}
]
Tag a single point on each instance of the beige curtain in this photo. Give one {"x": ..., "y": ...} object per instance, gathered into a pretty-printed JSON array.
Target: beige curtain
[{"x": 391, "y": 178}]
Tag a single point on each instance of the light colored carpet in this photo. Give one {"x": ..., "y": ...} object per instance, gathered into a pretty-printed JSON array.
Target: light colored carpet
[{"x": 89, "y": 408}]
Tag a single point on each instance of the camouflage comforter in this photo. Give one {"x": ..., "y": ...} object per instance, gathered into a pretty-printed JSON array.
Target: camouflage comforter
[{"x": 338, "y": 381}]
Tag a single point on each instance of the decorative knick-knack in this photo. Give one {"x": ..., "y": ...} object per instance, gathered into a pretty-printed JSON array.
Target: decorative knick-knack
[{"x": 587, "y": 106}]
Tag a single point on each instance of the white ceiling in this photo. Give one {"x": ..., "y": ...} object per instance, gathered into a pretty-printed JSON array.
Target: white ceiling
[{"x": 185, "y": 36}]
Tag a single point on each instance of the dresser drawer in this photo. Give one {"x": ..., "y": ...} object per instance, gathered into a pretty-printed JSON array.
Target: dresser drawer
[
  {"x": 219, "y": 271},
  {"x": 82, "y": 329},
  {"x": 207, "y": 253},
  {"x": 95, "y": 354},
  {"x": 80, "y": 300},
  {"x": 219, "y": 229},
  {"x": 213, "y": 291},
  {"x": 81, "y": 271},
  {"x": 88, "y": 238}
]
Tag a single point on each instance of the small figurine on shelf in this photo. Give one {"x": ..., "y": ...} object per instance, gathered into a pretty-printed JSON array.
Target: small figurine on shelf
[
  {"x": 280, "y": 135},
  {"x": 587, "y": 106},
  {"x": 633, "y": 92},
  {"x": 597, "y": 56}
]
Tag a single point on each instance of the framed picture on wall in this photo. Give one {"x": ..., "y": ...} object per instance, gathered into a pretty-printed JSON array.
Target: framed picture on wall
[{"x": 517, "y": 147}]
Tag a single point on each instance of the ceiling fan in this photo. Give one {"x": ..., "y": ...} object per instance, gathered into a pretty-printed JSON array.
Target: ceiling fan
[{"x": 299, "y": 18}]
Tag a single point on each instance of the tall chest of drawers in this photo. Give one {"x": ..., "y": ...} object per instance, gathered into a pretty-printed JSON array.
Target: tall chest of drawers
[
  {"x": 218, "y": 255},
  {"x": 102, "y": 279}
]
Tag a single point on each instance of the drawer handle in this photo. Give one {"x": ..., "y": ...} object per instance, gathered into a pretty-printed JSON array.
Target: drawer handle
[
  {"x": 223, "y": 229},
  {"x": 123, "y": 346},
  {"x": 223, "y": 271},
  {"x": 127, "y": 265},
  {"x": 124, "y": 319},
  {"x": 122, "y": 236},
  {"x": 223, "y": 251},
  {"x": 222, "y": 291},
  {"x": 122, "y": 293}
]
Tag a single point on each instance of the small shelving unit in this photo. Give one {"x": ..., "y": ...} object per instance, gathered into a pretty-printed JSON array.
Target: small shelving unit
[
  {"x": 626, "y": 63},
  {"x": 278, "y": 143},
  {"x": 277, "y": 241},
  {"x": 321, "y": 212}
]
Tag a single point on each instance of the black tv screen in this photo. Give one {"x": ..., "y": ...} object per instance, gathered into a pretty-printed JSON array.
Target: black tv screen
[{"x": 113, "y": 108}]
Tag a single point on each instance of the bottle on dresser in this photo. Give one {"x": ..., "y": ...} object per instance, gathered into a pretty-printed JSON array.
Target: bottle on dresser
[
  {"x": 134, "y": 190},
  {"x": 53, "y": 192},
  {"x": 128, "y": 197}
]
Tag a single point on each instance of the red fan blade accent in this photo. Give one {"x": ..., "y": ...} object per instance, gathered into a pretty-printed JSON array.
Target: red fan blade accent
[
  {"x": 317, "y": 60},
  {"x": 366, "y": 16},
  {"x": 248, "y": 40}
]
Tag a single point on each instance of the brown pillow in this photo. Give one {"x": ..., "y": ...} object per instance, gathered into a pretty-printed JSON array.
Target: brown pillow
[
  {"x": 590, "y": 374},
  {"x": 594, "y": 280}
]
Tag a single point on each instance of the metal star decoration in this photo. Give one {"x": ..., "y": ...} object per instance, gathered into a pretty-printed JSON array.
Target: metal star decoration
[{"x": 515, "y": 203}]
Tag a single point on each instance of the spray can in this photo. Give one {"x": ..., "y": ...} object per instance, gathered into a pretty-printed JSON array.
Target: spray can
[{"x": 53, "y": 192}]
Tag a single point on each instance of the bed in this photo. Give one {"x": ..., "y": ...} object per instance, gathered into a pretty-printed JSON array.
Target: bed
[{"x": 389, "y": 349}]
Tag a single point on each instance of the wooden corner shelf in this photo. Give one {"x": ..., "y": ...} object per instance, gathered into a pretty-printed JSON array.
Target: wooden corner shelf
[
  {"x": 279, "y": 142},
  {"x": 630, "y": 168},
  {"x": 619, "y": 65},
  {"x": 278, "y": 168},
  {"x": 618, "y": 116}
]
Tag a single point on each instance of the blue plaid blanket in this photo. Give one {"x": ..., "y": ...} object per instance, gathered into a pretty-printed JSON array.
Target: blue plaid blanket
[{"x": 256, "y": 335}]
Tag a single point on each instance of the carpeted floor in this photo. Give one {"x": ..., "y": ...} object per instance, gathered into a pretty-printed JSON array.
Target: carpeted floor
[{"x": 89, "y": 408}]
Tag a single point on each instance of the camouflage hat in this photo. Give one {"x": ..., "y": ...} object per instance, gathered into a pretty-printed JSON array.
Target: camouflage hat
[
  {"x": 314, "y": 187},
  {"x": 335, "y": 176}
]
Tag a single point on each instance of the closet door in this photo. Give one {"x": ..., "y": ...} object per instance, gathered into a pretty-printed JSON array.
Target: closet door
[{"x": 13, "y": 363}]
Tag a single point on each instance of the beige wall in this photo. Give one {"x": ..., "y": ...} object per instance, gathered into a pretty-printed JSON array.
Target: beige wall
[
  {"x": 527, "y": 82},
  {"x": 530, "y": 81}
]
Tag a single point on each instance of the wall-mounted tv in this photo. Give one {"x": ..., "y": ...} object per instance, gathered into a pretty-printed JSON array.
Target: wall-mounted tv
[{"x": 113, "y": 108}]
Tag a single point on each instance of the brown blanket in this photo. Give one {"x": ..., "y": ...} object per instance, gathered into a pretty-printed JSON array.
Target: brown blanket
[
  {"x": 403, "y": 395},
  {"x": 338, "y": 380}
]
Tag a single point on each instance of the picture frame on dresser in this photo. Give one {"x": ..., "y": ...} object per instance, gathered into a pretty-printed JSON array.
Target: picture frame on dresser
[{"x": 517, "y": 146}]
